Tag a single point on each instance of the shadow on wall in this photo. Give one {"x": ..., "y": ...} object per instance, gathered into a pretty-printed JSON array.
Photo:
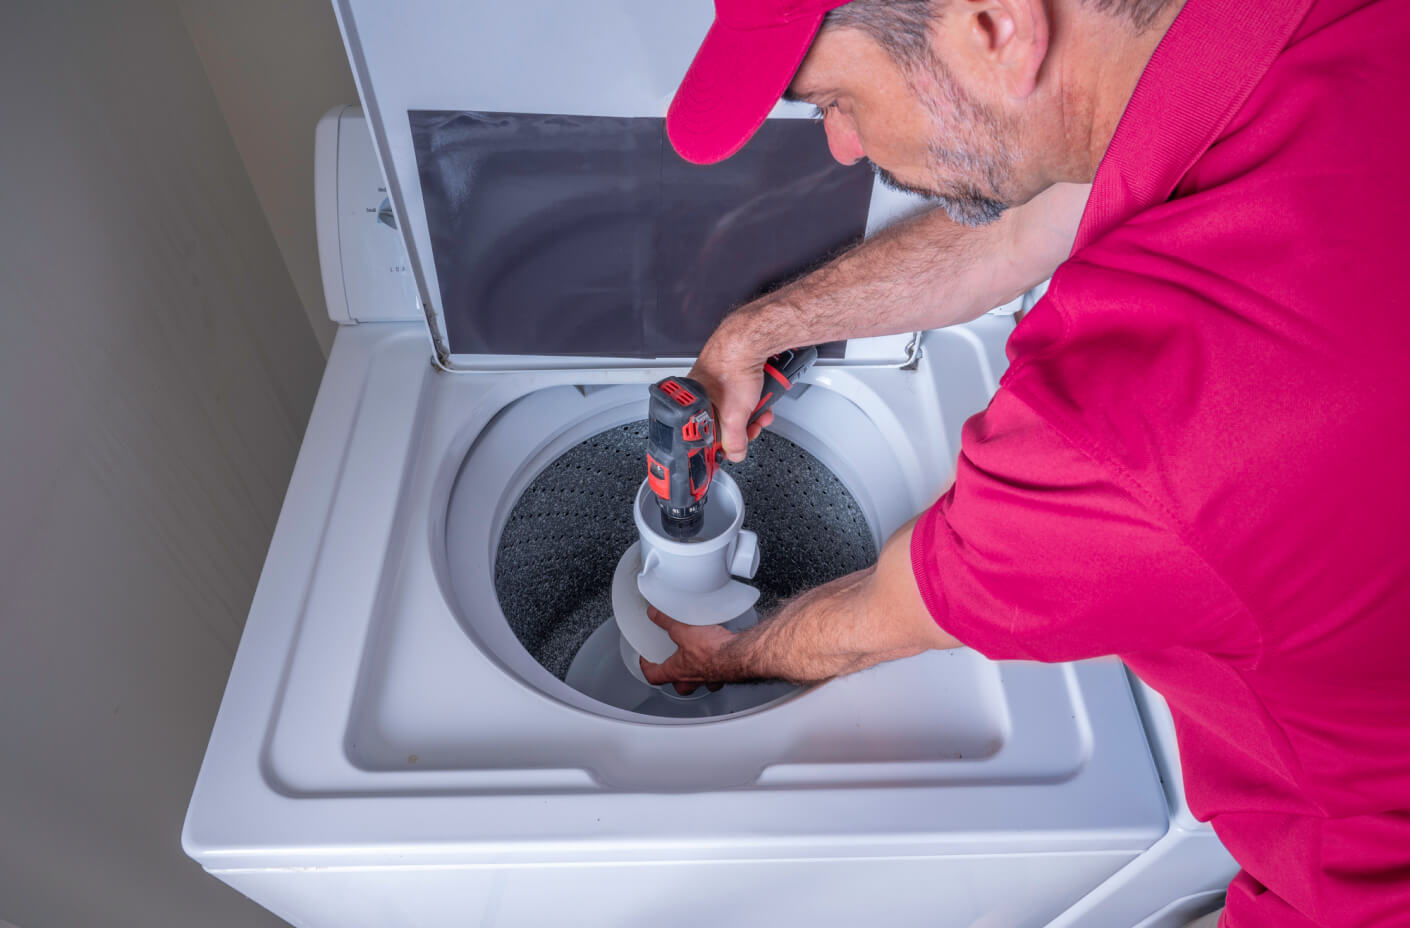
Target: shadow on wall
[{"x": 276, "y": 66}]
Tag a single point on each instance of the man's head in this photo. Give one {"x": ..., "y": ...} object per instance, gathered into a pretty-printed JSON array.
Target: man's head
[{"x": 962, "y": 101}]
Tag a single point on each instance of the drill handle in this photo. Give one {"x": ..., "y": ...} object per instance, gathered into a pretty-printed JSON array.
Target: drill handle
[{"x": 781, "y": 373}]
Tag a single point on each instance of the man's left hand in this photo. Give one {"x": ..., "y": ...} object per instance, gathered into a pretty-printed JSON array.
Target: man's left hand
[{"x": 698, "y": 650}]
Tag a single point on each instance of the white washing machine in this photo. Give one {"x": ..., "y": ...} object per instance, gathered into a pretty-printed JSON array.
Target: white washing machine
[{"x": 389, "y": 751}]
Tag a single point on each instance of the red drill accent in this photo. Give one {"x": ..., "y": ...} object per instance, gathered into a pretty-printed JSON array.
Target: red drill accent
[
  {"x": 677, "y": 392},
  {"x": 776, "y": 374},
  {"x": 658, "y": 478},
  {"x": 696, "y": 492}
]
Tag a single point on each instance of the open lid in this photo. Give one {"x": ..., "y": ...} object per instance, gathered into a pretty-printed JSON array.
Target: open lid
[{"x": 548, "y": 220}]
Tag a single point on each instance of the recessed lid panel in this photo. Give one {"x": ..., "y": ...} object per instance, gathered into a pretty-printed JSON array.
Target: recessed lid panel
[{"x": 549, "y": 222}]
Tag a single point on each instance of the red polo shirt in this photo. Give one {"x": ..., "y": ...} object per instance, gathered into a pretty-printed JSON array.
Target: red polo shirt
[{"x": 1199, "y": 458}]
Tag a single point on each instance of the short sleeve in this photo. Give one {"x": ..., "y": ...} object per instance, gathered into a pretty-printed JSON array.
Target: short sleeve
[{"x": 1037, "y": 553}]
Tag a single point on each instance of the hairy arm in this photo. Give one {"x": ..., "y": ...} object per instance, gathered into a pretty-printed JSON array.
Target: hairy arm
[
  {"x": 841, "y": 627},
  {"x": 923, "y": 273}
]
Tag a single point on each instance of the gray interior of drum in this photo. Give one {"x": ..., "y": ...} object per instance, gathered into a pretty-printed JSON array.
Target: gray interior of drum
[{"x": 562, "y": 540}]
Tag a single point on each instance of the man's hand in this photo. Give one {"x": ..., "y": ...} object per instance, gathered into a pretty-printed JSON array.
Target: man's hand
[
  {"x": 841, "y": 627},
  {"x": 697, "y": 651},
  {"x": 731, "y": 370}
]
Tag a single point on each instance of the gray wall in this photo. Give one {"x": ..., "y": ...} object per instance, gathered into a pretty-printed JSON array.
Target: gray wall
[
  {"x": 276, "y": 66},
  {"x": 156, "y": 372}
]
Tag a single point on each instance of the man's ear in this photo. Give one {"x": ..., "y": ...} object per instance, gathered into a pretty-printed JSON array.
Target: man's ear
[{"x": 1009, "y": 38}]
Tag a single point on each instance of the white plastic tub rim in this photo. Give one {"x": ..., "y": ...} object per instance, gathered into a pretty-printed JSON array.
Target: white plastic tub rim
[{"x": 530, "y": 432}]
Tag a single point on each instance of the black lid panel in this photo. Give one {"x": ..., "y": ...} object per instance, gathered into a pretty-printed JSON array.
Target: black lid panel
[{"x": 588, "y": 235}]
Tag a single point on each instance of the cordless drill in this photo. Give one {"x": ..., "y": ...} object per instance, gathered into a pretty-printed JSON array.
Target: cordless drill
[{"x": 683, "y": 444}]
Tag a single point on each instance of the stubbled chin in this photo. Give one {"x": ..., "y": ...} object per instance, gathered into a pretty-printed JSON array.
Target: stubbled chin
[{"x": 971, "y": 211}]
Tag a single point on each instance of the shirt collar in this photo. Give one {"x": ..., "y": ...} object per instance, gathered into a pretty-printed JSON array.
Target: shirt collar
[{"x": 1205, "y": 67}]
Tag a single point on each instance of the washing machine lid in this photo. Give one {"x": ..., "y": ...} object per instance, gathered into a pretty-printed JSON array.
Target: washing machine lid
[{"x": 548, "y": 221}]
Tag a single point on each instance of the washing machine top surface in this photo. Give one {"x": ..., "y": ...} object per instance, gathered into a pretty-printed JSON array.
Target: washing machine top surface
[
  {"x": 373, "y": 715},
  {"x": 548, "y": 221}
]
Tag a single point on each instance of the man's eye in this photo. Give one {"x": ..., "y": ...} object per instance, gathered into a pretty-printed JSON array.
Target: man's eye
[{"x": 820, "y": 112}]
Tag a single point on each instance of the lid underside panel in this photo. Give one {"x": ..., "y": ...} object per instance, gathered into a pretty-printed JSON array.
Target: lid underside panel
[{"x": 589, "y": 236}]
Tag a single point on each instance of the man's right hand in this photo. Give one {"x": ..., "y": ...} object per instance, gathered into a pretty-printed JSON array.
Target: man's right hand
[{"x": 731, "y": 369}]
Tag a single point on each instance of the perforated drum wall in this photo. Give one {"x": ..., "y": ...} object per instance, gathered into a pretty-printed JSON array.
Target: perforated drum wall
[{"x": 565, "y": 534}]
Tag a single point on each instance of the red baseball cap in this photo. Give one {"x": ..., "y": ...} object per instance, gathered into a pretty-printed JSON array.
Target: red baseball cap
[{"x": 746, "y": 62}]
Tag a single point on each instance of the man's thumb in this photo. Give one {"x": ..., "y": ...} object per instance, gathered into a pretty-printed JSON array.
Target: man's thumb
[{"x": 733, "y": 436}]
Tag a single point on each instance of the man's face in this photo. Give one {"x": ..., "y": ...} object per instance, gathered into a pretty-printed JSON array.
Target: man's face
[{"x": 919, "y": 128}]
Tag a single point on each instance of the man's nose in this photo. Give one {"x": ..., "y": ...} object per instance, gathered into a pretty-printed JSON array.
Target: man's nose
[{"x": 843, "y": 141}]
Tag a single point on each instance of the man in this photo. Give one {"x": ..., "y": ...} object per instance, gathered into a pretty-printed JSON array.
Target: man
[{"x": 1199, "y": 458}]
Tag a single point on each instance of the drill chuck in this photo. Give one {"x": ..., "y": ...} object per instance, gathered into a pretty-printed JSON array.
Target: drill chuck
[{"x": 682, "y": 524}]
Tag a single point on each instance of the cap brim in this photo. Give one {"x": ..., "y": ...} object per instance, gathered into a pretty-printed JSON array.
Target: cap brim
[{"x": 732, "y": 85}]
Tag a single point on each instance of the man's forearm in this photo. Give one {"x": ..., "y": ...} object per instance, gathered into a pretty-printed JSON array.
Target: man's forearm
[
  {"x": 827, "y": 632},
  {"x": 847, "y": 625},
  {"x": 925, "y": 272}
]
